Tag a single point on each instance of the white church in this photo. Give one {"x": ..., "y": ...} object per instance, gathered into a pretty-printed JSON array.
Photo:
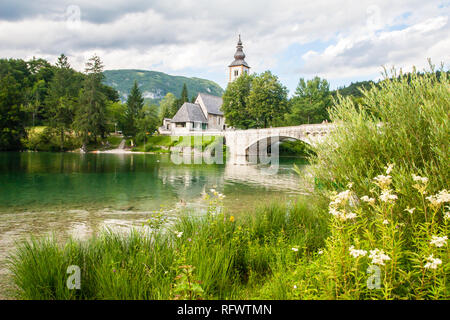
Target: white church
[{"x": 205, "y": 113}]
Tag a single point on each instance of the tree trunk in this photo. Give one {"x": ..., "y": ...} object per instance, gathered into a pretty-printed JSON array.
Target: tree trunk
[{"x": 62, "y": 138}]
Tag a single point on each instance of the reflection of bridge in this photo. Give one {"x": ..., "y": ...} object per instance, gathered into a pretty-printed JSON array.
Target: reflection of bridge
[{"x": 243, "y": 143}]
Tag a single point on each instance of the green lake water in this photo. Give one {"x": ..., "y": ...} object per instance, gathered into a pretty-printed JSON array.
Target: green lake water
[{"x": 71, "y": 194}]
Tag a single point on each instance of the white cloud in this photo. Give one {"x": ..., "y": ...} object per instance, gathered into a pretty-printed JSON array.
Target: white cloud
[
  {"x": 357, "y": 54},
  {"x": 175, "y": 36}
]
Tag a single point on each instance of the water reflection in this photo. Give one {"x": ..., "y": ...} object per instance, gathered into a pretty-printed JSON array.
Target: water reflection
[{"x": 72, "y": 194}]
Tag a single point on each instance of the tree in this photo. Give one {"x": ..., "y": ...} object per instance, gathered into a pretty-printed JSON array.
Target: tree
[
  {"x": 166, "y": 106},
  {"x": 111, "y": 94},
  {"x": 310, "y": 102},
  {"x": 135, "y": 102},
  {"x": 147, "y": 122},
  {"x": 184, "y": 97},
  {"x": 33, "y": 104},
  {"x": 62, "y": 97},
  {"x": 90, "y": 120},
  {"x": 267, "y": 101},
  {"x": 116, "y": 113},
  {"x": 235, "y": 103},
  {"x": 11, "y": 117}
]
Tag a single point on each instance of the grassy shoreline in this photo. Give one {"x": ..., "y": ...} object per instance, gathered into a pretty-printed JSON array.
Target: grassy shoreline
[{"x": 242, "y": 254}]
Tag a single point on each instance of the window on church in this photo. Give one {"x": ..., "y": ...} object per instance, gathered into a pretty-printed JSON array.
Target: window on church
[{"x": 236, "y": 73}]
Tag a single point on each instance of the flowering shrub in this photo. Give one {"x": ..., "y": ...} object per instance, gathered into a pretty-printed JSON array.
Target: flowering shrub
[{"x": 367, "y": 236}]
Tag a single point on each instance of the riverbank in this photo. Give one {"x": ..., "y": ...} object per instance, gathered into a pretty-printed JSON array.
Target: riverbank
[{"x": 168, "y": 261}]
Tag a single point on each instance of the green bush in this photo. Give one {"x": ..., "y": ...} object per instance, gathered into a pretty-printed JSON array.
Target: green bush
[
  {"x": 48, "y": 139},
  {"x": 403, "y": 120},
  {"x": 295, "y": 148}
]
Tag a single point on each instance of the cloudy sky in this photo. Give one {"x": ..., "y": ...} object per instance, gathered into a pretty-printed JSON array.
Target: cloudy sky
[{"x": 343, "y": 41}]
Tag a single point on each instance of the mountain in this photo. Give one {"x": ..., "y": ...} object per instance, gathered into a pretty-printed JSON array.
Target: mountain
[{"x": 155, "y": 85}]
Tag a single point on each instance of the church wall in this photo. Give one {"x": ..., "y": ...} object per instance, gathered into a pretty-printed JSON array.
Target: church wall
[{"x": 215, "y": 122}]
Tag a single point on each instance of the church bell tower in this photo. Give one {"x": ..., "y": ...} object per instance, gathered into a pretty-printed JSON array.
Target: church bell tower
[{"x": 239, "y": 65}]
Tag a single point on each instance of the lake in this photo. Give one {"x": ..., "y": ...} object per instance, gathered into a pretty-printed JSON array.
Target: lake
[{"x": 72, "y": 194}]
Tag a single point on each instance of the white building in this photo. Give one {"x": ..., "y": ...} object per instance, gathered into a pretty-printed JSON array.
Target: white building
[{"x": 205, "y": 114}]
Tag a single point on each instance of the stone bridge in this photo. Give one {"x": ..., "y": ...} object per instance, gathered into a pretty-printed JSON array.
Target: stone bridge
[{"x": 244, "y": 143}]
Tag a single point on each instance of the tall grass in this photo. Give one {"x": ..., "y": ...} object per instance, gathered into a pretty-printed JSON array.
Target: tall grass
[
  {"x": 227, "y": 255},
  {"x": 405, "y": 120}
]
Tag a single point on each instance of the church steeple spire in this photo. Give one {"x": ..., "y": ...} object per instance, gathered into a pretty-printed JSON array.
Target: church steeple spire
[
  {"x": 239, "y": 65},
  {"x": 239, "y": 55}
]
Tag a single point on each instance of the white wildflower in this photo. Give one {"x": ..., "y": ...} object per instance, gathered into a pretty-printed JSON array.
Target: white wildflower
[
  {"x": 387, "y": 196},
  {"x": 350, "y": 215},
  {"x": 442, "y": 197},
  {"x": 320, "y": 252},
  {"x": 439, "y": 241},
  {"x": 447, "y": 215},
  {"x": 385, "y": 222},
  {"x": 410, "y": 210},
  {"x": 341, "y": 198},
  {"x": 432, "y": 262},
  {"x": 355, "y": 253},
  {"x": 378, "y": 256},
  {"x": 368, "y": 200},
  {"x": 295, "y": 287},
  {"x": 178, "y": 234},
  {"x": 389, "y": 168},
  {"x": 295, "y": 249},
  {"x": 342, "y": 215},
  {"x": 383, "y": 181},
  {"x": 423, "y": 180}
]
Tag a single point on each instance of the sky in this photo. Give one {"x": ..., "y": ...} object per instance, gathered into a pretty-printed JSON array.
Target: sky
[{"x": 342, "y": 41}]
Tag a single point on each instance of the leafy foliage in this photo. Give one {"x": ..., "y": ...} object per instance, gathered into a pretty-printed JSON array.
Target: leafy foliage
[
  {"x": 90, "y": 120},
  {"x": 12, "y": 118},
  {"x": 310, "y": 102},
  {"x": 399, "y": 121},
  {"x": 255, "y": 101}
]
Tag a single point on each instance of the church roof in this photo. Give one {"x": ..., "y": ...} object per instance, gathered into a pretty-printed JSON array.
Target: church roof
[
  {"x": 212, "y": 103},
  {"x": 189, "y": 112},
  {"x": 239, "y": 56}
]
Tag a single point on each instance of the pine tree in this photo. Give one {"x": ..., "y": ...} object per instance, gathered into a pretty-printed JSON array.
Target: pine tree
[
  {"x": 62, "y": 96},
  {"x": 135, "y": 102},
  {"x": 184, "y": 94},
  {"x": 179, "y": 102},
  {"x": 90, "y": 119}
]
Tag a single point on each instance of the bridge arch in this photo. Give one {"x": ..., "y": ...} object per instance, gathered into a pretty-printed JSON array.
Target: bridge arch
[
  {"x": 267, "y": 141},
  {"x": 241, "y": 142}
]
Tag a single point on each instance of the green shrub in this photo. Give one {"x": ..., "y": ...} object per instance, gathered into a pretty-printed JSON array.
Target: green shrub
[
  {"x": 403, "y": 120},
  {"x": 48, "y": 139}
]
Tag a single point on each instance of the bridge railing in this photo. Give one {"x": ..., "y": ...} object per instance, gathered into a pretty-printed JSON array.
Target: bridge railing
[{"x": 302, "y": 126}]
